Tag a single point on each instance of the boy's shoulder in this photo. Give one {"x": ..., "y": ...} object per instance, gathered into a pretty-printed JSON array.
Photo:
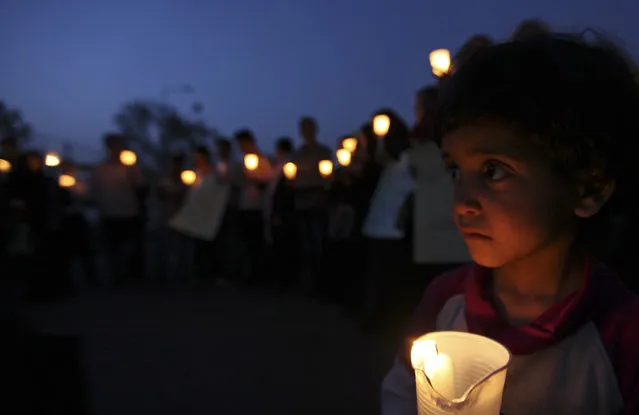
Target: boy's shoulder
[{"x": 439, "y": 291}]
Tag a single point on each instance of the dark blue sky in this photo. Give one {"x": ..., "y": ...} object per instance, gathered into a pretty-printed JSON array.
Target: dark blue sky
[{"x": 69, "y": 64}]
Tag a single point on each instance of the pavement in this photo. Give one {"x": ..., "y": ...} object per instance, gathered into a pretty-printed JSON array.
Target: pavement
[{"x": 197, "y": 349}]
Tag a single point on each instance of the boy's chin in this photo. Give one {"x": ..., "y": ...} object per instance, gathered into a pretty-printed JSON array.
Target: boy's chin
[{"x": 487, "y": 259}]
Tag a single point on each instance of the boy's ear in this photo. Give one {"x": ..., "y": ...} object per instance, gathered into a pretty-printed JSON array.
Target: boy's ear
[{"x": 591, "y": 202}]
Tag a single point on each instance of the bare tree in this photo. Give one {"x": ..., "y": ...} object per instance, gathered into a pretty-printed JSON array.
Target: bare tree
[
  {"x": 12, "y": 124},
  {"x": 155, "y": 129}
]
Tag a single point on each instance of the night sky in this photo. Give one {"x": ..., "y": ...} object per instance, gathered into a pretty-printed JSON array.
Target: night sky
[{"x": 70, "y": 64}]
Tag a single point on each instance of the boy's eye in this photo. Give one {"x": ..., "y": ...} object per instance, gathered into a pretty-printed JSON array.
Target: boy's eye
[{"x": 495, "y": 171}]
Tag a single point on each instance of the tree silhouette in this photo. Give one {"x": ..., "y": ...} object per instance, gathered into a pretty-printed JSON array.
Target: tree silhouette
[
  {"x": 155, "y": 129},
  {"x": 12, "y": 124}
]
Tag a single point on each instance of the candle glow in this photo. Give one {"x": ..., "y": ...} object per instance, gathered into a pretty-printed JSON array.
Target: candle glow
[
  {"x": 290, "y": 170},
  {"x": 325, "y": 168},
  {"x": 437, "y": 366},
  {"x": 188, "y": 177},
  {"x": 381, "y": 125},
  {"x": 5, "y": 166},
  {"x": 128, "y": 157},
  {"x": 344, "y": 157},
  {"x": 51, "y": 160},
  {"x": 350, "y": 144},
  {"x": 440, "y": 62},
  {"x": 251, "y": 161},
  {"x": 66, "y": 181}
]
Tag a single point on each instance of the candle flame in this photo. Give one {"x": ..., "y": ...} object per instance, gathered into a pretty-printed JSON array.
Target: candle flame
[
  {"x": 188, "y": 177},
  {"x": 381, "y": 125},
  {"x": 440, "y": 62},
  {"x": 5, "y": 166},
  {"x": 325, "y": 167},
  {"x": 251, "y": 161},
  {"x": 66, "y": 180},
  {"x": 350, "y": 144},
  {"x": 128, "y": 157},
  {"x": 344, "y": 157},
  {"x": 290, "y": 170},
  {"x": 51, "y": 160}
]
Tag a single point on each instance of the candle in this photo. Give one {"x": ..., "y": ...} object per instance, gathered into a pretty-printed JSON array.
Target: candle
[
  {"x": 350, "y": 144},
  {"x": 440, "y": 62},
  {"x": 66, "y": 180},
  {"x": 381, "y": 125},
  {"x": 5, "y": 166},
  {"x": 188, "y": 177},
  {"x": 290, "y": 170},
  {"x": 437, "y": 366},
  {"x": 344, "y": 157},
  {"x": 459, "y": 373},
  {"x": 128, "y": 157},
  {"x": 51, "y": 160},
  {"x": 325, "y": 168},
  {"x": 251, "y": 161}
]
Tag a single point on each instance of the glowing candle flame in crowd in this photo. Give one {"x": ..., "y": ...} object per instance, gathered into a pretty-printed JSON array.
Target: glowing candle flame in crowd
[
  {"x": 251, "y": 161},
  {"x": 344, "y": 157},
  {"x": 188, "y": 177},
  {"x": 290, "y": 170},
  {"x": 66, "y": 180},
  {"x": 325, "y": 168},
  {"x": 381, "y": 125},
  {"x": 350, "y": 144},
  {"x": 440, "y": 62},
  {"x": 128, "y": 158},
  {"x": 51, "y": 160},
  {"x": 5, "y": 166}
]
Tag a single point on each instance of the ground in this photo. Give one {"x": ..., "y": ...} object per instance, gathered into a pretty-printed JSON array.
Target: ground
[{"x": 195, "y": 350}]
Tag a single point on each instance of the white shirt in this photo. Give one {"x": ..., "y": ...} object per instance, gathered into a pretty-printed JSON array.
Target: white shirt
[
  {"x": 114, "y": 188},
  {"x": 203, "y": 210},
  {"x": 251, "y": 197},
  {"x": 393, "y": 188},
  {"x": 436, "y": 238}
]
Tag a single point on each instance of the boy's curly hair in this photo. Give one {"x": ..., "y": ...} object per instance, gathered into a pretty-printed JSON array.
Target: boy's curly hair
[{"x": 577, "y": 100}]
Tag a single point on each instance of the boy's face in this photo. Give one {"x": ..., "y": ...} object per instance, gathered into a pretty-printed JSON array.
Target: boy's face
[{"x": 509, "y": 203}]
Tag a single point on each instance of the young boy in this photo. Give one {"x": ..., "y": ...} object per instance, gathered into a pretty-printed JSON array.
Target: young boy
[{"x": 537, "y": 137}]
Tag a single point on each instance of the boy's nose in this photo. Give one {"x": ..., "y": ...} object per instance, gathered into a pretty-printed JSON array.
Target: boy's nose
[{"x": 465, "y": 201}]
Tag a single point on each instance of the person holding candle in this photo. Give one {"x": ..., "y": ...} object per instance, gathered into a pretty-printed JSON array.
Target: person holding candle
[
  {"x": 281, "y": 219},
  {"x": 311, "y": 198},
  {"x": 539, "y": 156},
  {"x": 119, "y": 192},
  {"x": 251, "y": 205},
  {"x": 388, "y": 254}
]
